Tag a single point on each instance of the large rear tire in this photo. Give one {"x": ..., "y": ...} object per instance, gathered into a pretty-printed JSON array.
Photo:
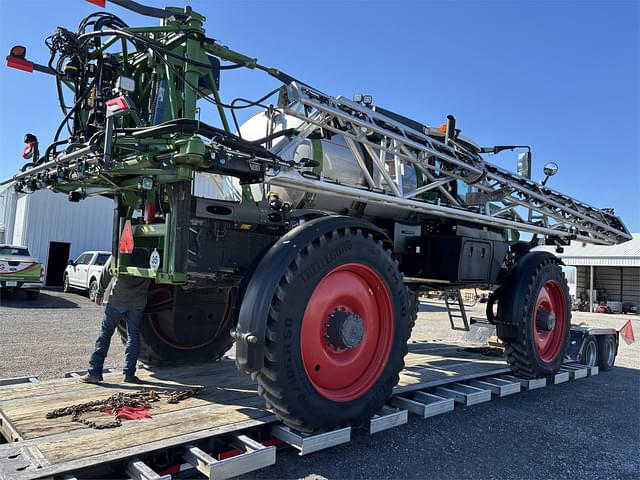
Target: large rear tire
[
  {"x": 184, "y": 327},
  {"x": 337, "y": 333},
  {"x": 534, "y": 302}
]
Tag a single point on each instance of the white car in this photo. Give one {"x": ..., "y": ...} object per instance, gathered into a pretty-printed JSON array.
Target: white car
[{"x": 84, "y": 273}]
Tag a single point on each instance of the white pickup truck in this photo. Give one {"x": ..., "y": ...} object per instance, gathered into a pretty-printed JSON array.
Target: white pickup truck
[{"x": 84, "y": 272}]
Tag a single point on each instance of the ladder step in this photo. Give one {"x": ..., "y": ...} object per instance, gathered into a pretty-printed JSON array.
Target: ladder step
[
  {"x": 464, "y": 394},
  {"x": 576, "y": 371},
  {"x": 254, "y": 457},
  {"x": 138, "y": 470},
  {"x": 498, "y": 387},
  {"x": 311, "y": 443},
  {"x": 387, "y": 418},
  {"x": 424, "y": 404},
  {"x": 559, "y": 377},
  {"x": 528, "y": 384},
  {"x": 435, "y": 403}
]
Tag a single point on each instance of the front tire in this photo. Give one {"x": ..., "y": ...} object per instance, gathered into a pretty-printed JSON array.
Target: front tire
[
  {"x": 65, "y": 284},
  {"x": 535, "y": 303},
  {"x": 337, "y": 333}
]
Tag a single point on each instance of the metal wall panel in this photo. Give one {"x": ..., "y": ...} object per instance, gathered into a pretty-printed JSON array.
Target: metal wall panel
[{"x": 8, "y": 203}]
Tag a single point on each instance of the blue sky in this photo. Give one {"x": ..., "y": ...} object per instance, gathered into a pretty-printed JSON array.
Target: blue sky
[{"x": 561, "y": 76}]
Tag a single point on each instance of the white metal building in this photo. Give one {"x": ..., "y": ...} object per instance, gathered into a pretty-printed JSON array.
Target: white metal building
[
  {"x": 606, "y": 274},
  {"x": 54, "y": 229}
]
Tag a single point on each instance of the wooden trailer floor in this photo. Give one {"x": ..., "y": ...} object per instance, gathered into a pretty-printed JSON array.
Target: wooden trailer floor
[{"x": 228, "y": 403}]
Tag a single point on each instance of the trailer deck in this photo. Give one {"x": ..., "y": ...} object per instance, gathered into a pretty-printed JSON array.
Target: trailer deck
[{"x": 227, "y": 416}]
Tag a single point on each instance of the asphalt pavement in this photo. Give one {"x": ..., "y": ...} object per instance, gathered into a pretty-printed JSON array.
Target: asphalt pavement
[{"x": 584, "y": 429}]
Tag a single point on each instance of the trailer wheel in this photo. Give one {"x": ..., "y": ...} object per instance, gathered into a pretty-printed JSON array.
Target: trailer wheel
[
  {"x": 590, "y": 355},
  {"x": 171, "y": 336},
  {"x": 607, "y": 350},
  {"x": 337, "y": 333},
  {"x": 535, "y": 302}
]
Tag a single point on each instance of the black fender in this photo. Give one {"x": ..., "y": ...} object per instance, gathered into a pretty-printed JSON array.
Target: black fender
[
  {"x": 252, "y": 315},
  {"x": 511, "y": 294}
]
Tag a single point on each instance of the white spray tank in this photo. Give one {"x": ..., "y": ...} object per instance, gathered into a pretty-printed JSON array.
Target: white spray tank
[{"x": 336, "y": 163}]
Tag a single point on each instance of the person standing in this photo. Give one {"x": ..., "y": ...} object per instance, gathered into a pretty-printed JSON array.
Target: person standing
[{"x": 124, "y": 298}]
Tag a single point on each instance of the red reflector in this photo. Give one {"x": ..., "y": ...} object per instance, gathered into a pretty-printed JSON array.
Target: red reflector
[
  {"x": 20, "y": 64},
  {"x": 99, "y": 3},
  {"x": 28, "y": 150},
  {"x": 170, "y": 471},
  {"x": 272, "y": 442},
  {"x": 118, "y": 104},
  {"x": 235, "y": 452},
  {"x": 126, "y": 239},
  {"x": 42, "y": 273},
  {"x": 229, "y": 454},
  {"x": 18, "y": 51}
]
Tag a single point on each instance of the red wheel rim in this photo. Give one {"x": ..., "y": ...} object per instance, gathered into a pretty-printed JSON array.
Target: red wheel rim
[
  {"x": 549, "y": 343},
  {"x": 161, "y": 296},
  {"x": 344, "y": 374}
]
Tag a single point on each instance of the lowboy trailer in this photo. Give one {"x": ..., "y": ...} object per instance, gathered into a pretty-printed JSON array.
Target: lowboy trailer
[
  {"x": 328, "y": 217},
  {"x": 226, "y": 429}
]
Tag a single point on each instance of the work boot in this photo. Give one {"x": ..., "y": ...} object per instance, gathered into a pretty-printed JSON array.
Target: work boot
[
  {"x": 88, "y": 378},
  {"x": 131, "y": 379}
]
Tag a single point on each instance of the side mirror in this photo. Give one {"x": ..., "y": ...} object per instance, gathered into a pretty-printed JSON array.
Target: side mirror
[
  {"x": 71, "y": 263},
  {"x": 524, "y": 165},
  {"x": 550, "y": 169}
]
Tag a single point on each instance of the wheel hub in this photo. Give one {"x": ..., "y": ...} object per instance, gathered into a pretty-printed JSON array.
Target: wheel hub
[
  {"x": 545, "y": 320},
  {"x": 344, "y": 329}
]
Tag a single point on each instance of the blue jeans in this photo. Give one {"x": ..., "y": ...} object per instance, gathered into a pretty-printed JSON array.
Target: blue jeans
[{"x": 110, "y": 320}]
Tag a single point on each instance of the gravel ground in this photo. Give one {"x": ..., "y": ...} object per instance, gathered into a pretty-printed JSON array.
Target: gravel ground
[
  {"x": 584, "y": 429},
  {"x": 50, "y": 336}
]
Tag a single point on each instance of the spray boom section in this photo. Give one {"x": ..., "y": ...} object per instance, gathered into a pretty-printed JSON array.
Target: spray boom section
[{"x": 132, "y": 131}]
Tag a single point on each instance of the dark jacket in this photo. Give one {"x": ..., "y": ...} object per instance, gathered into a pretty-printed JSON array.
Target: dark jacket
[{"x": 123, "y": 291}]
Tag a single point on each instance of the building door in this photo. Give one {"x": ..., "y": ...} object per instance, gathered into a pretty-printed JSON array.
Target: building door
[{"x": 57, "y": 262}]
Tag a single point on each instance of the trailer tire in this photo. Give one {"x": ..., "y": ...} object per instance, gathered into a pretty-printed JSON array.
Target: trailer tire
[
  {"x": 589, "y": 355},
  {"x": 607, "y": 350},
  {"x": 159, "y": 347},
  {"x": 534, "y": 301},
  {"x": 315, "y": 375}
]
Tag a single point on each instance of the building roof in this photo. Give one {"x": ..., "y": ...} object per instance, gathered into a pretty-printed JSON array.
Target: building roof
[{"x": 626, "y": 254}]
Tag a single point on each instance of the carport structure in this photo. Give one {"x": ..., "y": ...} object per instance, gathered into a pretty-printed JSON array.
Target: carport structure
[{"x": 608, "y": 274}]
